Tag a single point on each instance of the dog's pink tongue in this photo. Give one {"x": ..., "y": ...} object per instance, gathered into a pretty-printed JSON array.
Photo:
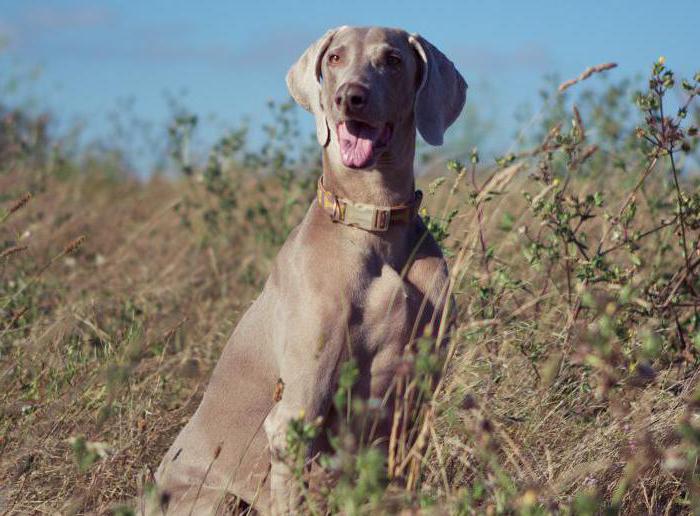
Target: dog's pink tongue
[{"x": 356, "y": 143}]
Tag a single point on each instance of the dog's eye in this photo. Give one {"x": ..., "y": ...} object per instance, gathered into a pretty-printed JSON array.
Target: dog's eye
[
  {"x": 393, "y": 60},
  {"x": 334, "y": 59}
]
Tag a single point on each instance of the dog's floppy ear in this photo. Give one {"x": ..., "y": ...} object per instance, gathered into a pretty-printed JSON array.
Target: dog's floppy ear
[
  {"x": 441, "y": 94},
  {"x": 304, "y": 83}
]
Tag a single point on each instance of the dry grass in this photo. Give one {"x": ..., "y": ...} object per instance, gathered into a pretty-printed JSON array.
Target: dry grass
[
  {"x": 123, "y": 333},
  {"x": 564, "y": 393}
]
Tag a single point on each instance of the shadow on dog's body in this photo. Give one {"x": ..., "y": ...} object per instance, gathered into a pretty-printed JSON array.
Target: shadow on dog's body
[
  {"x": 240, "y": 394},
  {"x": 335, "y": 291}
]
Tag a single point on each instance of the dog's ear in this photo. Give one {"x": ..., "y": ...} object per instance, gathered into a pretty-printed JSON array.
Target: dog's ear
[
  {"x": 304, "y": 83},
  {"x": 441, "y": 93}
]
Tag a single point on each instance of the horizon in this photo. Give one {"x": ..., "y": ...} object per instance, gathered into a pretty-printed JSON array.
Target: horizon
[{"x": 226, "y": 62}]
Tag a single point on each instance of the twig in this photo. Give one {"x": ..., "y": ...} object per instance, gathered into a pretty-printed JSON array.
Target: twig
[{"x": 586, "y": 74}]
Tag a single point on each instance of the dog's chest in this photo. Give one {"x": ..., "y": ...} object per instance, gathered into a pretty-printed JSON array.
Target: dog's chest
[{"x": 389, "y": 305}]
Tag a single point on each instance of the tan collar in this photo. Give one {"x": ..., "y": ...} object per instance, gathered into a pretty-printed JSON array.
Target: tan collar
[{"x": 366, "y": 216}]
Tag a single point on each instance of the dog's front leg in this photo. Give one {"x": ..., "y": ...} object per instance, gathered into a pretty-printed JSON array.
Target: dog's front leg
[
  {"x": 286, "y": 489},
  {"x": 307, "y": 378}
]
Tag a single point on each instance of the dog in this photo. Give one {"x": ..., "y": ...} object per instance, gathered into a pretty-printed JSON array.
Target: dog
[{"x": 360, "y": 277}]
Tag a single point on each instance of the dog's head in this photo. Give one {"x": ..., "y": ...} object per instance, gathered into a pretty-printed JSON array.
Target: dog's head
[{"x": 370, "y": 88}]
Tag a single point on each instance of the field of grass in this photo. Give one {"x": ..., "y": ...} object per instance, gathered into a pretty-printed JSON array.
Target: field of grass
[{"x": 571, "y": 382}]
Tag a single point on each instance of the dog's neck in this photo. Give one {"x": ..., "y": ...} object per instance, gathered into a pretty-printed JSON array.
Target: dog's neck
[{"x": 390, "y": 182}]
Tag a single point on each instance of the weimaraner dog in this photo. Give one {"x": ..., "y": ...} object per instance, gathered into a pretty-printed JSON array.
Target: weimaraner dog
[{"x": 359, "y": 277}]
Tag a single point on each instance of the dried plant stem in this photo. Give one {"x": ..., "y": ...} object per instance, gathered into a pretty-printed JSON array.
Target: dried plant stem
[
  {"x": 16, "y": 206},
  {"x": 681, "y": 212},
  {"x": 10, "y": 251},
  {"x": 69, "y": 248},
  {"x": 586, "y": 74}
]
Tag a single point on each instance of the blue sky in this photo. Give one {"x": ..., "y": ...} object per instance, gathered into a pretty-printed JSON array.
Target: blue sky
[{"x": 229, "y": 57}]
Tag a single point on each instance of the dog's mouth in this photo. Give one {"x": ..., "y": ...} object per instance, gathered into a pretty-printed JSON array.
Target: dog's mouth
[{"x": 360, "y": 141}]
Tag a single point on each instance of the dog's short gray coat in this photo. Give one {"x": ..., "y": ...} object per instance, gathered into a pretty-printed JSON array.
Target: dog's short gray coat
[{"x": 334, "y": 290}]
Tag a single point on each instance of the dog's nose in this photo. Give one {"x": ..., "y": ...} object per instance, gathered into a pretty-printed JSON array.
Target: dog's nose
[{"x": 351, "y": 96}]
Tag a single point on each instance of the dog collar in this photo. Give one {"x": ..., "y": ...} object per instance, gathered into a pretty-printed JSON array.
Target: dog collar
[{"x": 366, "y": 216}]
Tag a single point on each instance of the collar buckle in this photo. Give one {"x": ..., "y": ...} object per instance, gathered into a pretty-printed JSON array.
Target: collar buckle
[
  {"x": 382, "y": 219},
  {"x": 366, "y": 216}
]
